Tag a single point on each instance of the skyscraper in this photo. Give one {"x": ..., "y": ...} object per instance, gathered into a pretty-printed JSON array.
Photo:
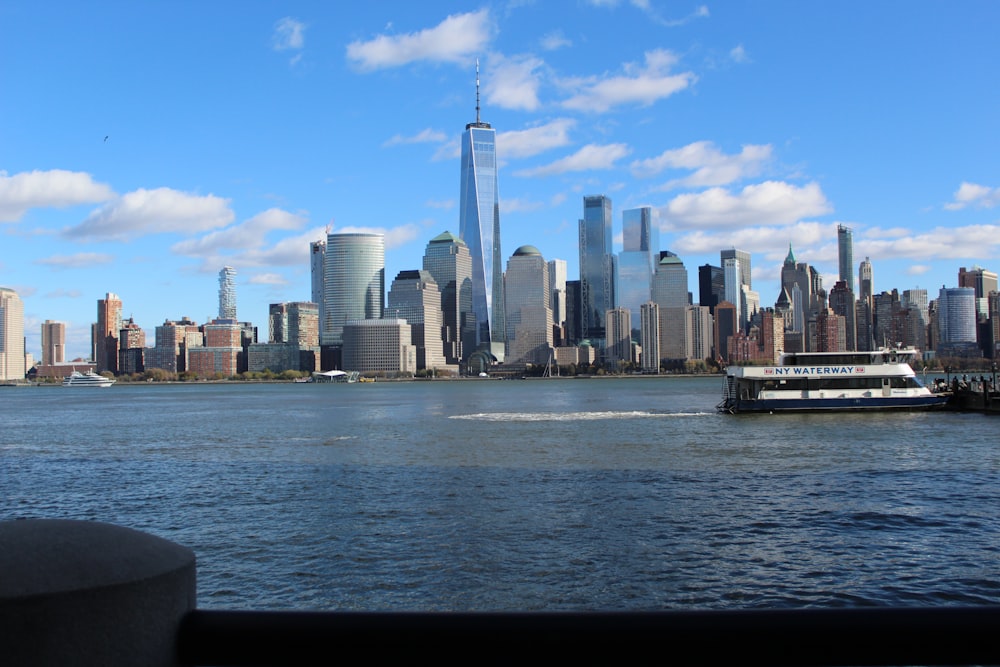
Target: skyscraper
[
  {"x": 711, "y": 286},
  {"x": 448, "y": 261},
  {"x": 53, "y": 342},
  {"x": 227, "y": 293},
  {"x": 353, "y": 282},
  {"x": 479, "y": 227},
  {"x": 670, "y": 293},
  {"x": 109, "y": 324},
  {"x": 637, "y": 261},
  {"x": 317, "y": 253},
  {"x": 649, "y": 337},
  {"x": 529, "y": 314},
  {"x": 845, "y": 252},
  {"x": 619, "y": 336},
  {"x": 744, "y": 258},
  {"x": 414, "y": 296},
  {"x": 597, "y": 267},
  {"x": 557, "y": 285},
  {"x": 11, "y": 335}
]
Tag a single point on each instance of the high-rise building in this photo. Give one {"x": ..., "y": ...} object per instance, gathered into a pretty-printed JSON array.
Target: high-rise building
[
  {"x": 414, "y": 297},
  {"x": 597, "y": 267},
  {"x": 637, "y": 261},
  {"x": 131, "y": 348},
  {"x": 979, "y": 279},
  {"x": 744, "y": 264},
  {"x": 670, "y": 293},
  {"x": 726, "y": 325},
  {"x": 295, "y": 323},
  {"x": 845, "y": 254},
  {"x": 957, "y": 315},
  {"x": 172, "y": 342},
  {"x": 227, "y": 293},
  {"x": 529, "y": 314},
  {"x": 649, "y": 337},
  {"x": 11, "y": 335},
  {"x": 731, "y": 276},
  {"x": 53, "y": 342},
  {"x": 619, "y": 336},
  {"x": 317, "y": 253},
  {"x": 379, "y": 345},
  {"x": 557, "y": 284},
  {"x": 353, "y": 282},
  {"x": 699, "y": 333},
  {"x": 109, "y": 324},
  {"x": 448, "y": 261},
  {"x": 479, "y": 227},
  {"x": 842, "y": 303},
  {"x": 711, "y": 286}
]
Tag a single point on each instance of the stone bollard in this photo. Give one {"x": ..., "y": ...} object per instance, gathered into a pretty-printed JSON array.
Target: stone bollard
[{"x": 90, "y": 593}]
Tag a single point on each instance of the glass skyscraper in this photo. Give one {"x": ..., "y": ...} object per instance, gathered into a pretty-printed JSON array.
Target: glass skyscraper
[
  {"x": 448, "y": 261},
  {"x": 11, "y": 335},
  {"x": 845, "y": 253},
  {"x": 479, "y": 227},
  {"x": 637, "y": 261},
  {"x": 353, "y": 282},
  {"x": 227, "y": 293},
  {"x": 597, "y": 267}
]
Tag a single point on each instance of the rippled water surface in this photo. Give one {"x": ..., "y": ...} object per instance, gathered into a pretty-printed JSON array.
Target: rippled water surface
[{"x": 612, "y": 494}]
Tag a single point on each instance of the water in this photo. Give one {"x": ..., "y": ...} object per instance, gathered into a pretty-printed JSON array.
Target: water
[{"x": 601, "y": 494}]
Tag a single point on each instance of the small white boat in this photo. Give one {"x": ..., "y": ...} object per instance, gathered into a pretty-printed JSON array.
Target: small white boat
[
  {"x": 824, "y": 381},
  {"x": 88, "y": 379}
]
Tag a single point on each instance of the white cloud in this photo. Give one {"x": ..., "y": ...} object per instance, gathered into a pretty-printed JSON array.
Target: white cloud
[
  {"x": 457, "y": 39},
  {"x": 158, "y": 211},
  {"x": 249, "y": 234},
  {"x": 555, "y": 40},
  {"x": 639, "y": 85},
  {"x": 970, "y": 194},
  {"x": 710, "y": 165},
  {"x": 739, "y": 54},
  {"x": 64, "y": 294},
  {"x": 757, "y": 239},
  {"x": 769, "y": 203},
  {"x": 917, "y": 269},
  {"x": 513, "y": 83},
  {"x": 75, "y": 261},
  {"x": 56, "y": 188},
  {"x": 972, "y": 242},
  {"x": 534, "y": 140},
  {"x": 424, "y": 136},
  {"x": 394, "y": 236},
  {"x": 515, "y": 205},
  {"x": 445, "y": 205},
  {"x": 268, "y": 279},
  {"x": 288, "y": 34},
  {"x": 587, "y": 158}
]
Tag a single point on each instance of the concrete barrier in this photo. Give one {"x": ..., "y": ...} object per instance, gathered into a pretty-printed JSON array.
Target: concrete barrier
[{"x": 89, "y": 593}]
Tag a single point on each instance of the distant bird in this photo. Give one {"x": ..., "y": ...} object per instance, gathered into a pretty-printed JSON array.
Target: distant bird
[{"x": 105, "y": 138}]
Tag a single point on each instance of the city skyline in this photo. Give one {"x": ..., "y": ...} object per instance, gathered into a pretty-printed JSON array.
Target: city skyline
[{"x": 142, "y": 161}]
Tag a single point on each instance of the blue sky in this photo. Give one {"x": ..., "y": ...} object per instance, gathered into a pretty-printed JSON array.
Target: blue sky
[{"x": 143, "y": 146}]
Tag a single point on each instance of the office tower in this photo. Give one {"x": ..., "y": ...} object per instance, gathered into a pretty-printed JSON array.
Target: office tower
[
  {"x": 619, "y": 336},
  {"x": 670, "y": 293},
  {"x": 574, "y": 324},
  {"x": 597, "y": 267},
  {"x": 53, "y": 342},
  {"x": 711, "y": 286},
  {"x": 353, "y": 282},
  {"x": 845, "y": 254},
  {"x": 979, "y": 279},
  {"x": 173, "y": 338},
  {"x": 827, "y": 332},
  {"x": 11, "y": 335},
  {"x": 699, "y": 333},
  {"x": 448, "y": 261},
  {"x": 131, "y": 348},
  {"x": 637, "y": 261},
  {"x": 649, "y": 336},
  {"x": 744, "y": 259},
  {"x": 731, "y": 272},
  {"x": 529, "y": 313},
  {"x": 227, "y": 293},
  {"x": 557, "y": 284},
  {"x": 294, "y": 323},
  {"x": 414, "y": 297},
  {"x": 109, "y": 324},
  {"x": 957, "y": 315},
  {"x": 317, "y": 253},
  {"x": 842, "y": 303},
  {"x": 866, "y": 288},
  {"x": 377, "y": 345},
  {"x": 726, "y": 325},
  {"x": 479, "y": 227}
]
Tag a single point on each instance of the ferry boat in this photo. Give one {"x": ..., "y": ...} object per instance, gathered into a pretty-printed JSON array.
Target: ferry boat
[
  {"x": 824, "y": 381},
  {"x": 88, "y": 379}
]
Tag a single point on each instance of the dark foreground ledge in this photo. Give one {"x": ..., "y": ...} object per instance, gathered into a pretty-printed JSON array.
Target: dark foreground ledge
[{"x": 857, "y": 636}]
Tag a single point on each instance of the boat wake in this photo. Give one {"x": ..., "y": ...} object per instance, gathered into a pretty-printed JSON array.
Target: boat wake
[{"x": 572, "y": 416}]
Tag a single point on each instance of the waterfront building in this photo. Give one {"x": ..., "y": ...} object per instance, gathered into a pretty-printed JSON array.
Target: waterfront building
[
  {"x": 222, "y": 351},
  {"x": 619, "y": 337},
  {"x": 12, "y": 360},
  {"x": 353, "y": 282},
  {"x": 131, "y": 348},
  {"x": 994, "y": 306},
  {"x": 743, "y": 257},
  {"x": 574, "y": 325},
  {"x": 842, "y": 303},
  {"x": 845, "y": 255},
  {"x": 227, "y": 293},
  {"x": 173, "y": 338},
  {"x": 581, "y": 356},
  {"x": 281, "y": 357},
  {"x": 979, "y": 279},
  {"x": 649, "y": 336},
  {"x": 528, "y": 308},
  {"x": 670, "y": 293},
  {"x": 557, "y": 286},
  {"x": 379, "y": 346},
  {"x": 637, "y": 261},
  {"x": 726, "y": 326},
  {"x": 711, "y": 286},
  {"x": 698, "y": 333},
  {"x": 414, "y": 297},
  {"x": 53, "y": 342},
  {"x": 733, "y": 294},
  {"x": 449, "y": 263},
  {"x": 295, "y": 323},
  {"x": 479, "y": 228},
  {"x": 597, "y": 267},
  {"x": 105, "y": 334},
  {"x": 317, "y": 253},
  {"x": 956, "y": 308},
  {"x": 866, "y": 309}
]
